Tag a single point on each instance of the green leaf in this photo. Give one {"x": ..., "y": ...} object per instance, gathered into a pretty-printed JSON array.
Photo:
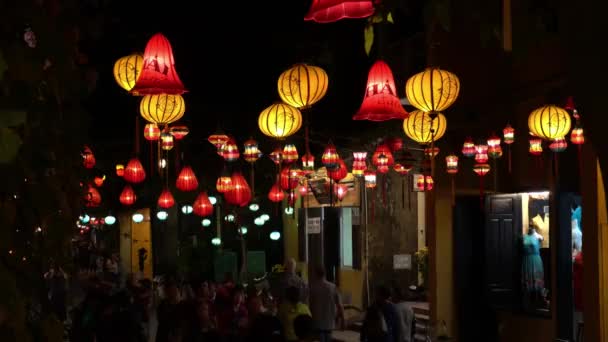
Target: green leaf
[
  {"x": 3, "y": 66},
  {"x": 389, "y": 18},
  {"x": 369, "y": 38},
  {"x": 9, "y": 145},
  {"x": 12, "y": 118}
]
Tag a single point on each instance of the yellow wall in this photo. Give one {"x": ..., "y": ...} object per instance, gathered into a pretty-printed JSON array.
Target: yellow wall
[
  {"x": 603, "y": 255},
  {"x": 351, "y": 285},
  {"x": 134, "y": 236},
  {"x": 290, "y": 231},
  {"x": 444, "y": 252}
]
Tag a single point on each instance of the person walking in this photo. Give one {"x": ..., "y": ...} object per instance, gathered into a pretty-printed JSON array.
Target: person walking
[{"x": 325, "y": 306}]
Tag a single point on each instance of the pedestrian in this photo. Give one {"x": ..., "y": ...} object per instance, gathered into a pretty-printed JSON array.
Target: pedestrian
[{"x": 325, "y": 305}]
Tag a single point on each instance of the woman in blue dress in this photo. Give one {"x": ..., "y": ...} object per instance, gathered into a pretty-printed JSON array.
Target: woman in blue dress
[{"x": 533, "y": 275}]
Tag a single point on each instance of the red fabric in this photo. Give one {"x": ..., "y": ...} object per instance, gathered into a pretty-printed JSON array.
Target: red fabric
[
  {"x": 166, "y": 200},
  {"x": 240, "y": 193},
  {"x": 186, "y": 181},
  {"x": 134, "y": 172},
  {"x": 577, "y": 281},
  {"x": 327, "y": 11},
  {"x": 380, "y": 102},
  {"x": 127, "y": 196},
  {"x": 202, "y": 205}
]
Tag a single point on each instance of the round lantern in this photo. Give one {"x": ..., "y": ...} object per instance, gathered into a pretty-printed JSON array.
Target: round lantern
[
  {"x": 166, "y": 141},
  {"x": 432, "y": 90},
  {"x": 165, "y": 200},
  {"x": 179, "y": 132},
  {"x": 327, "y": 11},
  {"x": 549, "y": 122},
  {"x": 276, "y": 194},
  {"x": 186, "y": 181},
  {"x": 302, "y": 85},
  {"x": 388, "y": 161},
  {"x": 92, "y": 197},
  {"x": 577, "y": 137},
  {"x": 420, "y": 127},
  {"x": 120, "y": 170},
  {"x": 127, "y": 69},
  {"x": 223, "y": 184},
  {"x": 280, "y": 121},
  {"x": 330, "y": 156},
  {"x": 251, "y": 152},
  {"x": 162, "y": 109},
  {"x": 127, "y": 196},
  {"x": 468, "y": 148},
  {"x": 380, "y": 102},
  {"x": 134, "y": 172},
  {"x": 451, "y": 164},
  {"x": 536, "y": 146},
  {"x": 508, "y": 134},
  {"x": 558, "y": 145},
  {"x": 88, "y": 158},
  {"x": 230, "y": 151},
  {"x": 202, "y": 205},
  {"x": 338, "y": 173},
  {"x": 290, "y": 153},
  {"x": 151, "y": 132}
]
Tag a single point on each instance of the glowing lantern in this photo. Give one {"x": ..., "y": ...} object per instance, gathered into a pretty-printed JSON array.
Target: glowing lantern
[
  {"x": 276, "y": 156},
  {"x": 158, "y": 74},
  {"x": 308, "y": 162},
  {"x": 481, "y": 169},
  {"x": 536, "y": 146},
  {"x": 359, "y": 164},
  {"x": 230, "y": 151},
  {"x": 251, "y": 152},
  {"x": 558, "y": 145},
  {"x": 127, "y": 196},
  {"x": 127, "y": 70},
  {"x": 218, "y": 140},
  {"x": 302, "y": 85},
  {"x": 151, "y": 132},
  {"x": 382, "y": 163},
  {"x": 340, "y": 190},
  {"x": 166, "y": 141},
  {"x": 330, "y": 156},
  {"x": 425, "y": 183},
  {"x": 380, "y": 102},
  {"x": 370, "y": 178},
  {"x": 186, "y": 181},
  {"x": 202, "y": 205},
  {"x": 395, "y": 144},
  {"x": 88, "y": 158},
  {"x": 383, "y": 149},
  {"x": 290, "y": 153},
  {"x": 99, "y": 180},
  {"x": 223, "y": 184},
  {"x": 92, "y": 198},
  {"x": 432, "y": 90},
  {"x": 162, "y": 109},
  {"x": 549, "y": 122},
  {"x": 451, "y": 164},
  {"x": 289, "y": 178},
  {"x": 422, "y": 129},
  {"x": 303, "y": 190},
  {"x": 468, "y": 148},
  {"x": 401, "y": 169},
  {"x": 276, "y": 194},
  {"x": 134, "y": 172},
  {"x": 494, "y": 148},
  {"x": 481, "y": 153},
  {"x": 120, "y": 170},
  {"x": 280, "y": 121},
  {"x": 165, "y": 200},
  {"x": 338, "y": 173},
  {"x": 508, "y": 134},
  {"x": 431, "y": 152},
  {"x": 577, "y": 137},
  {"x": 179, "y": 132},
  {"x": 328, "y": 11}
]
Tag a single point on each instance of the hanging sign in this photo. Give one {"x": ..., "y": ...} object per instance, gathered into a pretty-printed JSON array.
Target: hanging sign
[
  {"x": 313, "y": 225},
  {"x": 402, "y": 262}
]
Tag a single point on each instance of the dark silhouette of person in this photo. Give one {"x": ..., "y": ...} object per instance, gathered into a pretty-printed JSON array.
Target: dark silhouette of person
[{"x": 142, "y": 253}]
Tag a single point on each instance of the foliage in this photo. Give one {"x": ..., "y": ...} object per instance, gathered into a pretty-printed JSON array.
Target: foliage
[{"x": 422, "y": 260}]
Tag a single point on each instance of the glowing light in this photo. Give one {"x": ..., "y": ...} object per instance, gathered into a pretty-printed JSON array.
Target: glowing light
[
  {"x": 254, "y": 207},
  {"x": 244, "y": 230},
  {"x": 275, "y": 236},
  {"x": 206, "y": 222},
  {"x": 213, "y": 200},
  {"x": 289, "y": 210},
  {"x": 216, "y": 241},
  {"x": 137, "y": 217},
  {"x": 110, "y": 220},
  {"x": 259, "y": 221},
  {"x": 187, "y": 209},
  {"x": 162, "y": 215},
  {"x": 265, "y": 217},
  {"x": 84, "y": 218},
  {"x": 229, "y": 218}
]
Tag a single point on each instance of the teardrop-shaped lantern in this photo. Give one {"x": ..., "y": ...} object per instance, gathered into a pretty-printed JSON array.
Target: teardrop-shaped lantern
[
  {"x": 330, "y": 156},
  {"x": 328, "y": 11},
  {"x": 202, "y": 205},
  {"x": 186, "y": 181},
  {"x": 134, "y": 171},
  {"x": 127, "y": 196},
  {"x": 289, "y": 178},
  {"x": 240, "y": 193},
  {"x": 290, "y": 153},
  {"x": 380, "y": 102},
  {"x": 276, "y": 194},
  {"x": 166, "y": 200},
  {"x": 158, "y": 74}
]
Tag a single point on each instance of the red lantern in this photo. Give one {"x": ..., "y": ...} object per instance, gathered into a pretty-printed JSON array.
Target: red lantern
[
  {"x": 120, "y": 170},
  {"x": 536, "y": 146},
  {"x": 92, "y": 198},
  {"x": 202, "y": 205},
  {"x": 451, "y": 164},
  {"x": 468, "y": 148},
  {"x": 425, "y": 183},
  {"x": 481, "y": 169},
  {"x": 330, "y": 156},
  {"x": 383, "y": 158},
  {"x": 151, "y": 132},
  {"x": 340, "y": 190},
  {"x": 134, "y": 172},
  {"x": 290, "y": 153},
  {"x": 251, "y": 153},
  {"x": 223, "y": 184},
  {"x": 186, "y": 181},
  {"x": 327, "y": 11},
  {"x": 289, "y": 178},
  {"x": 99, "y": 180},
  {"x": 494, "y": 148},
  {"x": 218, "y": 140},
  {"x": 166, "y": 141},
  {"x": 508, "y": 134},
  {"x": 230, "y": 151},
  {"x": 127, "y": 196},
  {"x": 308, "y": 162},
  {"x": 481, "y": 154},
  {"x": 276, "y": 194},
  {"x": 558, "y": 145},
  {"x": 431, "y": 152},
  {"x": 370, "y": 178},
  {"x": 401, "y": 169},
  {"x": 380, "y": 102},
  {"x": 577, "y": 137},
  {"x": 276, "y": 156},
  {"x": 88, "y": 158},
  {"x": 395, "y": 144},
  {"x": 338, "y": 173},
  {"x": 179, "y": 132},
  {"x": 240, "y": 193},
  {"x": 303, "y": 190},
  {"x": 359, "y": 164},
  {"x": 166, "y": 200},
  {"x": 158, "y": 74}
]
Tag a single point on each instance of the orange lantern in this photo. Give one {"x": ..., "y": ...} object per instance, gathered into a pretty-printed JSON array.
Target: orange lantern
[
  {"x": 166, "y": 200},
  {"x": 134, "y": 172},
  {"x": 151, "y": 132},
  {"x": 290, "y": 153},
  {"x": 127, "y": 196},
  {"x": 240, "y": 193},
  {"x": 223, "y": 184},
  {"x": 330, "y": 157},
  {"x": 99, "y": 180},
  {"x": 120, "y": 170},
  {"x": 158, "y": 74},
  {"x": 577, "y": 137},
  {"x": 179, "y": 132},
  {"x": 92, "y": 198},
  {"x": 202, "y": 205},
  {"x": 88, "y": 158},
  {"x": 338, "y": 173},
  {"x": 328, "y": 11},
  {"x": 380, "y": 102},
  {"x": 276, "y": 194},
  {"x": 468, "y": 148},
  {"x": 186, "y": 181}
]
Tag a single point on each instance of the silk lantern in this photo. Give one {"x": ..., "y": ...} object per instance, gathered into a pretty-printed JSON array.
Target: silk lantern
[
  {"x": 179, "y": 132},
  {"x": 127, "y": 70},
  {"x": 359, "y": 163},
  {"x": 536, "y": 146},
  {"x": 330, "y": 156},
  {"x": 92, "y": 197},
  {"x": 577, "y": 137},
  {"x": 158, "y": 74},
  {"x": 276, "y": 194},
  {"x": 165, "y": 200},
  {"x": 127, "y": 196},
  {"x": 422, "y": 128},
  {"x": 302, "y": 85},
  {"x": 481, "y": 169},
  {"x": 151, "y": 132},
  {"x": 425, "y": 183},
  {"x": 290, "y": 153},
  {"x": 383, "y": 149},
  {"x": 251, "y": 151},
  {"x": 328, "y": 11},
  {"x": 240, "y": 193},
  {"x": 186, "y": 181},
  {"x": 481, "y": 153},
  {"x": 369, "y": 176},
  {"x": 308, "y": 162},
  {"x": 276, "y": 156},
  {"x": 558, "y": 145},
  {"x": 468, "y": 148},
  {"x": 120, "y": 170},
  {"x": 99, "y": 180},
  {"x": 223, "y": 184},
  {"x": 280, "y": 121},
  {"x": 230, "y": 151},
  {"x": 508, "y": 135},
  {"x": 289, "y": 178},
  {"x": 134, "y": 171},
  {"x": 162, "y": 109},
  {"x": 432, "y": 90},
  {"x": 218, "y": 140},
  {"x": 202, "y": 205},
  {"x": 549, "y": 122},
  {"x": 88, "y": 158},
  {"x": 431, "y": 152},
  {"x": 451, "y": 166},
  {"x": 166, "y": 141},
  {"x": 494, "y": 148},
  {"x": 380, "y": 102},
  {"x": 338, "y": 173}
]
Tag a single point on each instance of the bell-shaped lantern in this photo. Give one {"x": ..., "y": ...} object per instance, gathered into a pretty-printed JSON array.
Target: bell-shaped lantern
[
  {"x": 166, "y": 200},
  {"x": 383, "y": 163},
  {"x": 186, "y": 181},
  {"x": 202, "y": 205},
  {"x": 158, "y": 74},
  {"x": 127, "y": 196},
  {"x": 330, "y": 156},
  {"x": 328, "y": 11},
  {"x": 381, "y": 102},
  {"x": 134, "y": 171},
  {"x": 276, "y": 194},
  {"x": 240, "y": 193}
]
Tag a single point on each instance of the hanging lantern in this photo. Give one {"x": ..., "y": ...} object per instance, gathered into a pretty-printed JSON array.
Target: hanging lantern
[
  {"x": 328, "y": 11},
  {"x": 99, "y": 180},
  {"x": 179, "y": 132},
  {"x": 127, "y": 196},
  {"x": 92, "y": 197},
  {"x": 431, "y": 152},
  {"x": 165, "y": 200},
  {"x": 494, "y": 148},
  {"x": 340, "y": 190},
  {"x": 382, "y": 162},
  {"x": 508, "y": 134},
  {"x": 88, "y": 158},
  {"x": 127, "y": 70},
  {"x": 302, "y": 85},
  {"x": 303, "y": 190},
  {"x": 451, "y": 164},
  {"x": 359, "y": 163},
  {"x": 186, "y": 181},
  {"x": 276, "y": 194},
  {"x": 339, "y": 173},
  {"x": 289, "y": 178},
  {"x": 308, "y": 162},
  {"x": 162, "y": 109},
  {"x": 120, "y": 170},
  {"x": 536, "y": 146},
  {"x": 425, "y": 183},
  {"x": 481, "y": 169},
  {"x": 276, "y": 156},
  {"x": 395, "y": 144},
  {"x": 468, "y": 148},
  {"x": 290, "y": 153},
  {"x": 151, "y": 132},
  {"x": 382, "y": 158},
  {"x": 251, "y": 152},
  {"x": 370, "y": 178},
  {"x": 158, "y": 74},
  {"x": 202, "y": 205},
  {"x": 240, "y": 193},
  {"x": 577, "y": 137},
  {"x": 380, "y": 102},
  {"x": 230, "y": 151},
  {"x": 558, "y": 145},
  {"x": 401, "y": 169},
  {"x": 549, "y": 122},
  {"x": 218, "y": 140},
  {"x": 134, "y": 172},
  {"x": 432, "y": 90},
  {"x": 280, "y": 121},
  {"x": 166, "y": 141},
  {"x": 330, "y": 157},
  {"x": 422, "y": 129},
  {"x": 481, "y": 154},
  {"x": 223, "y": 184}
]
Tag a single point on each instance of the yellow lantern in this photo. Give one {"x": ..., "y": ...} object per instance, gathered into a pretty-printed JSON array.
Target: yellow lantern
[
  {"x": 423, "y": 129},
  {"x": 432, "y": 90},
  {"x": 162, "y": 109},
  {"x": 127, "y": 70},
  {"x": 549, "y": 122},
  {"x": 280, "y": 120},
  {"x": 302, "y": 85}
]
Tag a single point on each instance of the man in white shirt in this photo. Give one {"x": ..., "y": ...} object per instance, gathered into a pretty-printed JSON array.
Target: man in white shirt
[{"x": 325, "y": 305}]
